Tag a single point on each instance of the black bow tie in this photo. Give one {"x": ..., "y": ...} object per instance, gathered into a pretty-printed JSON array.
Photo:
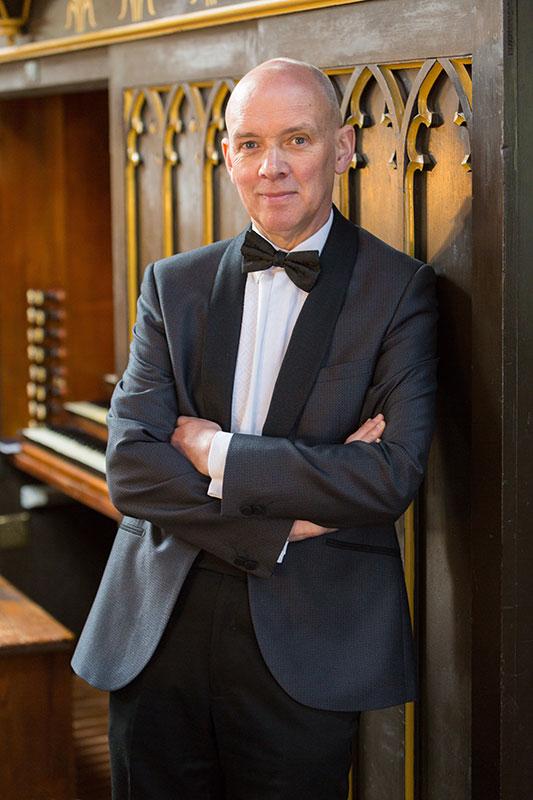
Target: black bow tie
[{"x": 302, "y": 266}]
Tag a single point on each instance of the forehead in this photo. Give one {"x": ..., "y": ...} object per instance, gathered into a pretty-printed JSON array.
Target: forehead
[{"x": 271, "y": 103}]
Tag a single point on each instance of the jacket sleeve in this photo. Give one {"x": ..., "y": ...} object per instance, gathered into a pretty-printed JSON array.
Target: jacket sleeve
[
  {"x": 148, "y": 478},
  {"x": 340, "y": 485}
]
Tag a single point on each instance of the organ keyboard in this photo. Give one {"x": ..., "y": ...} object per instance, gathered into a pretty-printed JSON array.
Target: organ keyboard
[
  {"x": 71, "y": 457},
  {"x": 71, "y": 443},
  {"x": 93, "y": 411}
]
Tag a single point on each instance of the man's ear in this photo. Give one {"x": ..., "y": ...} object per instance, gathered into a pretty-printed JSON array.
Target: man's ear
[
  {"x": 344, "y": 148},
  {"x": 227, "y": 156}
]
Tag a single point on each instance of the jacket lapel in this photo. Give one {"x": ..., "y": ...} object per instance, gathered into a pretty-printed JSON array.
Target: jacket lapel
[
  {"x": 222, "y": 335},
  {"x": 309, "y": 342},
  {"x": 314, "y": 329}
]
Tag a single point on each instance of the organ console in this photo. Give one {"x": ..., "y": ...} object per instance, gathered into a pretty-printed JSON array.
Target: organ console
[{"x": 63, "y": 443}]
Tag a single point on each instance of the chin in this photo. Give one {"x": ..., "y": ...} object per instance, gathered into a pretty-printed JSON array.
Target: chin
[{"x": 279, "y": 221}]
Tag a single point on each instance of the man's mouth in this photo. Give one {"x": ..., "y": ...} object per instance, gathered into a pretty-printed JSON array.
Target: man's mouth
[{"x": 276, "y": 195}]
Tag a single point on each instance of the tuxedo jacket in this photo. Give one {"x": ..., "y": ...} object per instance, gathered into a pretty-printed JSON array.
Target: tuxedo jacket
[{"x": 332, "y": 619}]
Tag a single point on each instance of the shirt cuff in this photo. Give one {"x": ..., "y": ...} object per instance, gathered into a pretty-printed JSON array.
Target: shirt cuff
[
  {"x": 282, "y": 554},
  {"x": 216, "y": 462}
]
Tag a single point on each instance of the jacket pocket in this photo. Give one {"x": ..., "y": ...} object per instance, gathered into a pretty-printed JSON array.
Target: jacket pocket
[
  {"x": 364, "y": 548},
  {"x": 132, "y": 525}
]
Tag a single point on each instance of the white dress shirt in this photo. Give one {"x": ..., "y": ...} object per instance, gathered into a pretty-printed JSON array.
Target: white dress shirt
[{"x": 272, "y": 303}]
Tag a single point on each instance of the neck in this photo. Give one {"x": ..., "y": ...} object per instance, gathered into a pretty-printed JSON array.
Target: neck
[{"x": 285, "y": 242}]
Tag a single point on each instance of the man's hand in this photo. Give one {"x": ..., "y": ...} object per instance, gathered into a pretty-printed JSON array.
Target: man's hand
[
  {"x": 192, "y": 437},
  {"x": 369, "y": 432}
]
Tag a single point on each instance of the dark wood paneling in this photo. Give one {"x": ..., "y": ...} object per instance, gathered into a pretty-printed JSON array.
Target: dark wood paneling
[
  {"x": 487, "y": 408},
  {"x": 443, "y": 213},
  {"x": 91, "y": 750},
  {"x": 517, "y": 551}
]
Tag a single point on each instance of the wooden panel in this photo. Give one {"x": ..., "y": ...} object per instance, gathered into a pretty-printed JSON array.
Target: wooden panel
[
  {"x": 144, "y": 131},
  {"x": 25, "y": 627},
  {"x": 36, "y": 722},
  {"x": 31, "y": 235},
  {"x": 517, "y": 573},
  {"x": 54, "y": 203},
  {"x": 35, "y": 707},
  {"x": 91, "y": 749},
  {"x": 183, "y": 192},
  {"x": 443, "y": 237},
  {"x": 223, "y": 211},
  {"x": 374, "y": 181},
  {"x": 87, "y": 233}
]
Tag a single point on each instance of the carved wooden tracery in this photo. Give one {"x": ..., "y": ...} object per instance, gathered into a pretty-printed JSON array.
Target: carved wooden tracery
[{"x": 391, "y": 106}]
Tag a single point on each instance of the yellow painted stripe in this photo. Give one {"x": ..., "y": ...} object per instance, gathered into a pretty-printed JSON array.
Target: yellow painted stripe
[{"x": 409, "y": 720}]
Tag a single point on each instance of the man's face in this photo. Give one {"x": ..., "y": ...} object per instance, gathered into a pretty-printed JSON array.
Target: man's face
[{"x": 282, "y": 153}]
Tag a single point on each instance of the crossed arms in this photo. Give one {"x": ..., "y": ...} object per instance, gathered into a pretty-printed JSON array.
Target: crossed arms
[
  {"x": 193, "y": 437},
  {"x": 334, "y": 485}
]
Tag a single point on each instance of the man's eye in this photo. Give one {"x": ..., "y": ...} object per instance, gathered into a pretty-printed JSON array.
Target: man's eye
[
  {"x": 248, "y": 145},
  {"x": 299, "y": 140}
]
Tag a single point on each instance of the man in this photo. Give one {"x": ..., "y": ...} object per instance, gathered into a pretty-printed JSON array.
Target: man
[{"x": 254, "y": 601}]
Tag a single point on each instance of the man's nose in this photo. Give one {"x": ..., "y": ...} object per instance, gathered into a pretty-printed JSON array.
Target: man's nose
[{"x": 273, "y": 164}]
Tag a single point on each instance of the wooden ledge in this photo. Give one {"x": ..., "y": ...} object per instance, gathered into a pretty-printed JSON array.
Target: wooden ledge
[
  {"x": 73, "y": 480},
  {"x": 26, "y": 627}
]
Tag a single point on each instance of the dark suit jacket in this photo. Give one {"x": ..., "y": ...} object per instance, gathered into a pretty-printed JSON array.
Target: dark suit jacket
[{"x": 332, "y": 620}]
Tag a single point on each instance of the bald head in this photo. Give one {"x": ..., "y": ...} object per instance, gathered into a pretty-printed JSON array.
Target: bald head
[{"x": 282, "y": 72}]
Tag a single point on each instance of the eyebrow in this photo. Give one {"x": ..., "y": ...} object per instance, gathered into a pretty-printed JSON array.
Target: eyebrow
[{"x": 292, "y": 129}]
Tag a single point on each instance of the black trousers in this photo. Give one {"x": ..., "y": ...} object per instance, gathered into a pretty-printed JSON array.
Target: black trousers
[{"x": 205, "y": 720}]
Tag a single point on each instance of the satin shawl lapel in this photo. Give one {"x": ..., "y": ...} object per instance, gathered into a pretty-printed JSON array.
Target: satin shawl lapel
[
  {"x": 313, "y": 331},
  {"x": 222, "y": 335}
]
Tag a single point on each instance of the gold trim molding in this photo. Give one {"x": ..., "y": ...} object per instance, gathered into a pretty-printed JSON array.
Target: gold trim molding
[{"x": 207, "y": 18}]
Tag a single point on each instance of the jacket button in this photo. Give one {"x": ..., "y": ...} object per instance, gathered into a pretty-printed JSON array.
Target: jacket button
[
  {"x": 245, "y": 563},
  {"x": 247, "y": 511},
  {"x": 259, "y": 511}
]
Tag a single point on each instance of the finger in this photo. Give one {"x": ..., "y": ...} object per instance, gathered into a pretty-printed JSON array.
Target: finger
[
  {"x": 362, "y": 430},
  {"x": 370, "y": 423},
  {"x": 368, "y": 438},
  {"x": 376, "y": 432},
  {"x": 369, "y": 434}
]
